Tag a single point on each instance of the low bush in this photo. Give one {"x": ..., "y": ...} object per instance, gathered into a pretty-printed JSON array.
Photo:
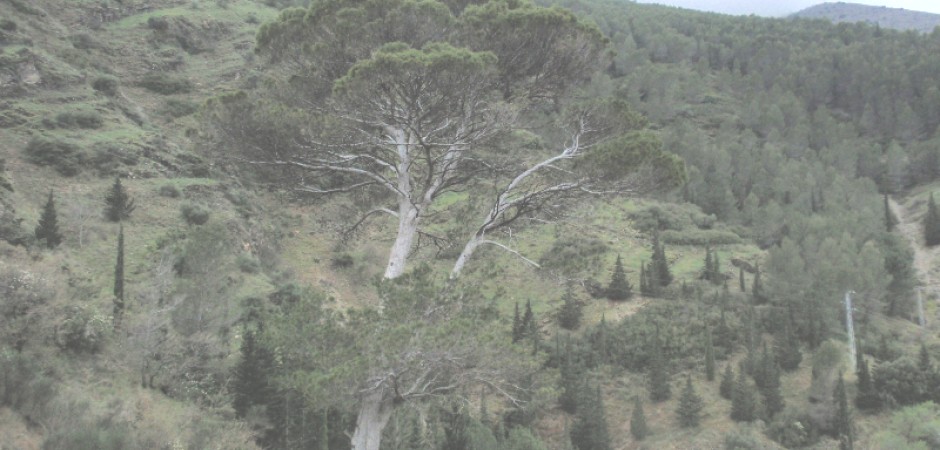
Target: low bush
[
  {"x": 106, "y": 84},
  {"x": 108, "y": 158},
  {"x": 179, "y": 108},
  {"x": 79, "y": 119},
  {"x": 165, "y": 84},
  {"x": 65, "y": 157},
  {"x": 8, "y": 25},
  {"x": 83, "y": 330},
  {"x": 24, "y": 386},
  {"x": 699, "y": 237},
  {"x": 194, "y": 214},
  {"x": 573, "y": 254},
  {"x": 169, "y": 191},
  {"x": 248, "y": 264}
]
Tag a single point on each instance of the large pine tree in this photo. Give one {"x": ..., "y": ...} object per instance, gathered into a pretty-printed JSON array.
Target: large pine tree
[
  {"x": 250, "y": 386},
  {"x": 843, "y": 419},
  {"x": 726, "y": 388},
  {"x": 690, "y": 406},
  {"x": 569, "y": 316},
  {"x": 657, "y": 373},
  {"x": 743, "y": 401},
  {"x": 619, "y": 288},
  {"x": 866, "y": 397},
  {"x": 118, "y": 204},
  {"x": 932, "y": 223},
  {"x": 709, "y": 356},
  {"x": 47, "y": 231},
  {"x": 659, "y": 264}
]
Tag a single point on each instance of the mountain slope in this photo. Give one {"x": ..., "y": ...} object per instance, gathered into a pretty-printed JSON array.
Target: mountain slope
[{"x": 895, "y": 18}]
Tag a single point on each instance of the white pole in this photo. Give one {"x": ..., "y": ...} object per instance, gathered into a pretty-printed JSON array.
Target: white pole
[
  {"x": 850, "y": 326},
  {"x": 920, "y": 308}
]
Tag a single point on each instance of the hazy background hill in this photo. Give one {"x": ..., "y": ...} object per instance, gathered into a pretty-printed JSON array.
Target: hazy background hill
[{"x": 895, "y": 18}]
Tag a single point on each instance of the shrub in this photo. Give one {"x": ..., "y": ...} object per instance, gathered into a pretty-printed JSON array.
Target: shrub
[
  {"x": 7, "y": 25},
  {"x": 179, "y": 108},
  {"x": 169, "y": 191},
  {"x": 158, "y": 23},
  {"x": 165, "y": 84},
  {"x": 79, "y": 119},
  {"x": 83, "y": 330},
  {"x": 573, "y": 254},
  {"x": 92, "y": 437},
  {"x": 342, "y": 261},
  {"x": 108, "y": 158},
  {"x": 194, "y": 214},
  {"x": 248, "y": 264},
  {"x": 65, "y": 157},
  {"x": 670, "y": 217},
  {"x": 23, "y": 385},
  {"x": 106, "y": 84},
  {"x": 699, "y": 237}
]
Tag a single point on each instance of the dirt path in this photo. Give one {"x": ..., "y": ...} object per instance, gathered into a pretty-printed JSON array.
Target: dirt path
[{"x": 924, "y": 257}]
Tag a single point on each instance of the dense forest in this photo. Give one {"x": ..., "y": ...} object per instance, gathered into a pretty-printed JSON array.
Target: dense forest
[{"x": 462, "y": 224}]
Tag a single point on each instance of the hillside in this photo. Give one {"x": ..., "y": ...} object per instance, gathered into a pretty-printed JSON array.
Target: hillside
[
  {"x": 894, "y": 18},
  {"x": 253, "y": 311}
]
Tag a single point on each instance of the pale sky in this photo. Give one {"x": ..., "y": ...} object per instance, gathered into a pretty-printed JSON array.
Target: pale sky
[{"x": 785, "y": 7}]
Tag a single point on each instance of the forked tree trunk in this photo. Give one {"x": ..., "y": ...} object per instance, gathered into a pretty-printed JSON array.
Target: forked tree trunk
[
  {"x": 465, "y": 255},
  {"x": 374, "y": 411},
  {"x": 404, "y": 240}
]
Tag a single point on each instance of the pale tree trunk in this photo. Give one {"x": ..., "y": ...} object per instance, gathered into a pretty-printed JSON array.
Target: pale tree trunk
[
  {"x": 465, "y": 255},
  {"x": 374, "y": 411},
  {"x": 404, "y": 240}
]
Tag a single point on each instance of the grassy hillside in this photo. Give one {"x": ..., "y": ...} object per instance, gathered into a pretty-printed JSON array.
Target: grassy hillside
[{"x": 94, "y": 90}]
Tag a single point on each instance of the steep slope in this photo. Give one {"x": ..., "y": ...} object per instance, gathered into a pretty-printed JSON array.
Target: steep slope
[{"x": 895, "y": 18}]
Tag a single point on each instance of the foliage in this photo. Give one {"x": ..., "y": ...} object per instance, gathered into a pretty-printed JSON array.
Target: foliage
[
  {"x": 843, "y": 422},
  {"x": 118, "y": 203},
  {"x": 47, "y": 231},
  {"x": 79, "y": 119},
  {"x": 792, "y": 428},
  {"x": 619, "y": 287},
  {"x": 638, "y": 427},
  {"x": 743, "y": 401},
  {"x": 690, "y": 406},
  {"x": 700, "y": 237},
  {"x": 932, "y": 223},
  {"x": 571, "y": 255},
  {"x": 726, "y": 388},
  {"x": 83, "y": 330},
  {"x": 589, "y": 431},
  {"x": 569, "y": 316},
  {"x": 194, "y": 213},
  {"x": 106, "y": 84},
  {"x": 118, "y": 291},
  {"x": 912, "y": 427},
  {"x": 165, "y": 84},
  {"x": 25, "y": 386},
  {"x": 65, "y": 157},
  {"x": 657, "y": 374},
  {"x": 169, "y": 191}
]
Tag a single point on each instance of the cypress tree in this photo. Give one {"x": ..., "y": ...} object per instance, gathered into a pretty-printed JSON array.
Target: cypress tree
[
  {"x": 619, "y": 288},
  {"x": 770, "y": 390},
  {"x": 572, "y": 382},
  {"x": 250, "y": 386},
  {"x": 709, "y": 265},
  {"x": 716, "y": 269},
  {"x": 118, "y": 204},
  {"x": 516, "y": 326},
  {"x": 867, "y": 397},
  {"x": 843, "y": 420},
  {"x": 923, "y": 359},
  {"x": 119, "y": 281},
  {"x": 638, "y": 427},
  {"x": 589, "y": 431},
  {"x": 743, "y": 402},
  {"x": 932, "y": 223},
  {"x": 657, "y": 374},
  {"x": 528, "y": 320},
  {"x": 787, "y": 349},
  {"x": 690, "y": 406},
  {"x": 601, "y": 341},
  {"x": 741, "y": 284},
  {"x": 757, "y": 288},
  {"x": 726, "y": 388},
  {"x": 660, "y": 265},
  {"x": 569, "y": 316},
  {"x": 709, "y": 356},
  {"x": 47, "y": 231}
]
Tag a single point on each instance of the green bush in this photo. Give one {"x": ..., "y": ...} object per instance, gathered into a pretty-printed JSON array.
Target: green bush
[
  {"x": 699, "y": 237},
  {"x": 107, "y": 159},
  {"x": 194, "y": 214},
  {"x": 106, "y": 84},
  {"x": 79, "y": 119},
  {"x": 90, "y": 437},
  {"x": 83, "y": 330},
  {"x": 342, "y": 261},
  {"x": 179, "y": 108},
  {"x": 573, "y": 254},
  {"x": 158, "y": 23},
  {"x": 169, "y": 191},
  {"x": 248, "y": 264},
  {"x": 165, "y": 84},
  {"x": 65, "y": 157},
  {"x": 24, "y": 387},
  {"x": 7, "y": 25}
]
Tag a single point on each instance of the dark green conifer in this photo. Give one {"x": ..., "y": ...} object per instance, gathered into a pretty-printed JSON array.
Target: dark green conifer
[
  {"x": 757, "y": 288},
  {"x": 572, "y": 381},
  {"x": 47, "y": 231},
  {"x": 657, "y": 373},
  {"x": 569, "y": 316},
  {"x": 644, "y": 282},
  {"x": 867, "y": 396},
  {"x": 638, "y": 427},
  {"x": 743, "y": 401},
  {"x": 118, "y": 204},
  {"x": 709, "y": 356},
  {"x": 741, "y": 284},
  {"x": 709, "y": 270},
  {"x": 787, "y": 348},
  {"x": 619, "y": 288},
  {"x": 890, "y": 220},
  {"x": 516, "y": 325},
  {"x": 589, "y": 431},
  {"x": 716, "y": 270},
  {"x": 932, "y": 223},
  {"x": 119, "y": 281},
  {"x": 726, "y": 388},
  {"x": 659, "y": 263},
  {"x": 770, "y": 388},
  {"x": 923, "y": 359},
  {"x": 843, "y": 419},
  {"x": 250, "y": 386},
  {"x": 690, "y": 406}
]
